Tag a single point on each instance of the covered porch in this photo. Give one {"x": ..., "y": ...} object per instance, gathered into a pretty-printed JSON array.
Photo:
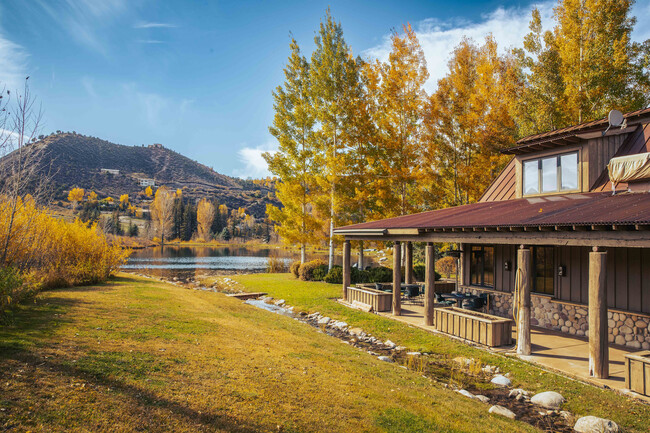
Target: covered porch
[{"x": 598, "y": 224}]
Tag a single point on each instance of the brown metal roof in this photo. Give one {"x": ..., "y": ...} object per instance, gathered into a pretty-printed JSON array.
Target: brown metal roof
[
  {"x": 586, "y": 209},
  {"x": 568, "y": 135}
]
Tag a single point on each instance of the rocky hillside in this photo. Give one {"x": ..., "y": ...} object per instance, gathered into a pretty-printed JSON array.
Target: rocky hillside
[{"x": 79, "y": 161}]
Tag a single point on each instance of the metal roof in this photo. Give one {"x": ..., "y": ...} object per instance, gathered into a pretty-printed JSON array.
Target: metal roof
[
  {"x": 568, "y": 135},
  {"x": 578, "y": 209}
]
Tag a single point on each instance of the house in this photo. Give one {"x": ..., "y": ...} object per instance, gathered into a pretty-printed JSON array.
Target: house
[
  {"x": 144, "y": 182},
  {"x": 549, "y": 237},
  {"x": 110, "y": 171}
]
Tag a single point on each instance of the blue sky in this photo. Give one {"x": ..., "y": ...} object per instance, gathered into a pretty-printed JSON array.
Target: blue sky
[{"x": 197, "y": 76}]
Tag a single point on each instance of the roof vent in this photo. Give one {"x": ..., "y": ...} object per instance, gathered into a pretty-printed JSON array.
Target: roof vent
[{"x": 615, "y": 119}]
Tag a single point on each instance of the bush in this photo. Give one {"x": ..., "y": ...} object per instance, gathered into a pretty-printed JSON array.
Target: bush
[
  {"x": 319, "y": 273},
  {"x": 419, "y": 273},
  {"x": 335, "y": 275},
  {"x": 13, "y": 288},
  {"x": 372, "y": 275},
  {"x": 306, "y": 270},
  {"x": 295, "y": 267},
  {"x": 446, "y": 265},
  {"x": 275, "y": 265},
  {"x": 380, "y": 274}
]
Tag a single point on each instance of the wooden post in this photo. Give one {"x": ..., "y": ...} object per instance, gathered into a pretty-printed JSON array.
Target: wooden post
[
  {"x": 598, "y": 346},
  {"x": 397, "y": 279},
  {"x": 429, "y": 284},
  {"x": 460, "y": 272},
  {"x": 408, "y": 263},
  {"x": 360, "y": 258},
  {"x": 346, "y": 269},
  {"x": 525, "y": 285}
]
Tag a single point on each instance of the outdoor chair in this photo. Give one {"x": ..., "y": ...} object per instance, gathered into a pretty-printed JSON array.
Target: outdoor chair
[
  {"x": 476, "y": 303},
  {"x": 412, "y": 294},
  {"x": 441, "y": 300}
]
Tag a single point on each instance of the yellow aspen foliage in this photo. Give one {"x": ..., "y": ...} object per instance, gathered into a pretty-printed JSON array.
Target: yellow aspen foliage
[
  {"x": 109, "y": 200},
  {"x": 75, "y": 196},
  {"x": 148, "y": 191},
  {"x": 204, "y": 217},
  {"x": 124, "y": 201},
  {"x": 162, "y": 212},
  {"x": 92, "y": 196}
]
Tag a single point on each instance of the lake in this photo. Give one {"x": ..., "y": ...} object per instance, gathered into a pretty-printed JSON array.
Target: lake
[{"x": 189, "y": 261}]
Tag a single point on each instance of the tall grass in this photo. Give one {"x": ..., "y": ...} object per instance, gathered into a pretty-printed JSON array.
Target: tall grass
[
  {"x": 275, "y": 265},
  {"x": 40, "y": 251}
]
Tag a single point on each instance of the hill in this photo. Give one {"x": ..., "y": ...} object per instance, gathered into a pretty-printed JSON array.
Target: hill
[{"x": 81, "y": 161}]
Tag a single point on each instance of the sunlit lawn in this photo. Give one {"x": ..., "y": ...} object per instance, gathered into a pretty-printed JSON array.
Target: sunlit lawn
[{"x": 140, "y": 355}]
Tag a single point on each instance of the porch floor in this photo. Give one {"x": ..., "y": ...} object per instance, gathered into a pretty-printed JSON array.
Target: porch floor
[{"x": 566, "y": 354}]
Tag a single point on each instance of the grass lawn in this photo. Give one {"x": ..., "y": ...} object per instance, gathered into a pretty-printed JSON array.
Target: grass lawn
[
  {"x": 140, "y": 355},
  {"x": 581, "y": 399}
]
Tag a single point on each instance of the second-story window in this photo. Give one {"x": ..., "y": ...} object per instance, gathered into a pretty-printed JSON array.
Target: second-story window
[{"x": 551, "y": 174}]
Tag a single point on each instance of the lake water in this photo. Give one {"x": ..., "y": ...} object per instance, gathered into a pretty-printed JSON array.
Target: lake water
[{"x": 188, "y": 261}]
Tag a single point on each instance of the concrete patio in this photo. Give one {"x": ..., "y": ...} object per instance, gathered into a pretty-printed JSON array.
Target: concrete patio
[{"x": 555, "y": 351}]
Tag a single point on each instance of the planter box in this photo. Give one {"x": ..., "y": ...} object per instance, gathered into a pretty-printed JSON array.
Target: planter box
[
  {"x": 479, "y": 328},
  {"x": 637, "y": 372},
  {"x": 378, "y": 300}
]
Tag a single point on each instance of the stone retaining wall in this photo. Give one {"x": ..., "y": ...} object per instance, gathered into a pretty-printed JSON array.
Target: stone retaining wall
[{"x": 625, "y": 329}]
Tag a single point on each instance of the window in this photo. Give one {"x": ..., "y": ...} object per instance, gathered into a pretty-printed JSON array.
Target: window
[
  {"x": 543, "y": 270},
  {"x": 552, "y": 174},
  {"x": 481, "y": 267}
]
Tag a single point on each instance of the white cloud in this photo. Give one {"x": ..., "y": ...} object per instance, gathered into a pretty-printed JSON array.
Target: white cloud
[
  {"x": 254, "y": 164},
  {"x": 89, "y": 85},
  {"x": 154, "y": 106},
  {"x": 149, "y": 41},
  {"x": 149, "y": 25},
  {"x": 439, "y": 38},
  {"x": 13, "y": 59}
]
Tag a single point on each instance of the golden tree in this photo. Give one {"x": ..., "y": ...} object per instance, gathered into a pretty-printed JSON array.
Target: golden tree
[
  {"x": 124, "y": 201},
  {"x": 92, "y": 197},
  {"x": 162, "y": 212},
  {"x": 75, "y": 196},
  {"x": 204, "y": 217},
  {"x": 148, "y": 192}
]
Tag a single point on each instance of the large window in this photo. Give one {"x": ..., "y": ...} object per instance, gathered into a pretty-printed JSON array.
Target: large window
[
  {"x": 552, "y": 174},
  {"x": 481, "y": 267},
  {"x": 543, "y": 270}
]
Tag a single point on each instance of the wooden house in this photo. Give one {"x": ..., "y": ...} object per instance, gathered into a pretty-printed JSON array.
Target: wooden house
[{"x": 549, "y": 237}]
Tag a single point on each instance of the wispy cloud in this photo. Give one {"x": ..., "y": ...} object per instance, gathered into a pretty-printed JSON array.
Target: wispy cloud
[
  {"x": 150, "y": 41},
  {"x": 89, "y": 85},
  {"x": 438, "y": 38},
  {"x": 254, "y": 165},
  {"x": 150, "y": 25},
  {"x": 13, "y": 59}
]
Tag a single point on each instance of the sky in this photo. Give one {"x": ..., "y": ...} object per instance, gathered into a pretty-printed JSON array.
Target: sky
[{"x": 198, "y": 75}]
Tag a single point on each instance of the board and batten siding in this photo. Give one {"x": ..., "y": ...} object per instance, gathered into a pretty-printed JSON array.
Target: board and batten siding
[{"x": 628, "y": 275}]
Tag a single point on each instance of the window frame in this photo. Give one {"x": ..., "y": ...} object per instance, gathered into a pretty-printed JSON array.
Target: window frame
[
  {"x": 535, "y": 258},
  {"x": 480, "y": 266},
  {"x": 558, "y": 174}
]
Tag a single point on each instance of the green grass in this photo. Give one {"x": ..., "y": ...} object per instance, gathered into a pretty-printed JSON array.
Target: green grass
[
  {"x": 140, "y": 355},
  {"x": 582, "y": 399}
]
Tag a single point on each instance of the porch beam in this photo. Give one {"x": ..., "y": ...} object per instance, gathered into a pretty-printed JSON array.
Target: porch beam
[
  {"x": 397, "y": 278},
  {"x": 346, "y": 268},
  {"x": 524, "y": 258},
  {"x": 408, "y": 263},
  {"x": 629, "y": 239},
  {"x": 598, "y": 345},
  {"x": 429, "y": 283}
]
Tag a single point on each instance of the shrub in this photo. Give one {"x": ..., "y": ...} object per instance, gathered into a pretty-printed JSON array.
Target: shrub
[
  {"x": 275, "y": 265},
  {"x": 306, "y": 270},
  {"x": 319, "y": 273},
  {"x": 295, "y": 267},
  {"x": 335, "y": 275},
  {"x": 380, "y": 274},
  {"x": 419, "y": 273},
  {"x": 446, "y": 265}
]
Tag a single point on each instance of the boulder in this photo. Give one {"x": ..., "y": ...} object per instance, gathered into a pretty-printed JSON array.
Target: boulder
[
  {"x": 548, "y": 399},
  {"x": 385, "y": 358},
  {"x": 466, "y": 393},
  {"x": 501, "y": 380},
  {"x": 390, "y": 344},
  {"x": 593, "y": 424},
  {"x": 482, "y": 398},
  {"x": 502, "y": 411},
  {"x": 323, "y": 320}
]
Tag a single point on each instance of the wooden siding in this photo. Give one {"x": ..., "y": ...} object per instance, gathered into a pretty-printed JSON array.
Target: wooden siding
[
  {"x": 628, "y": 275},
  {"x": 492, "y": 331},
  {"x": 504, "y": 186}
]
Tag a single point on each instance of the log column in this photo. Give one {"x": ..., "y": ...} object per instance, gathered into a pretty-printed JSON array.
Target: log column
[
  {"x": 429, "y": 284},
  {"x": 408, "y": 263},
  {"x": 397, "y": 278},
  {"x": 598, "y": 345},
  {"x": 524, "y": 258},
  {"x": 460, "y": 272},
  {"x": 346, "y": 269}
]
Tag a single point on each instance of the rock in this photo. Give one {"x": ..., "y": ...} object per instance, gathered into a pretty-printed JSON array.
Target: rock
[
  {"x": 482, "y": 398},
  {"x": 385, "y": 358},
  {"x": 592, "y": 424},
  {"x": 466, "y": 393},
  {"x": 502, "y": 411},
  {"x": 390, "y": 344},
  {"x": 356, "y": 331},
  {"x": 548, "y": 399},
  {"x": 413, "y": 353},
  {"x": 323, "y": 320},
  {"x": 279, "y": 302},
  {"x": 501, "y": 380},
  {"x": 340, "y": 325}
]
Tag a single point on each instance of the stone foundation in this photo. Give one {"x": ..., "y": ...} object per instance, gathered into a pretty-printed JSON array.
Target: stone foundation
[{"x": 625, "y": 329}]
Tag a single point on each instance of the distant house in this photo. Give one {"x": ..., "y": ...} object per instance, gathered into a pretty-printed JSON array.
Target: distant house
[
  {"x": 147, "y": 182},
  {"x": 549, "y": 237},
  {"x": 156, "y": 146},
  {"x": 110, "y": 170}
]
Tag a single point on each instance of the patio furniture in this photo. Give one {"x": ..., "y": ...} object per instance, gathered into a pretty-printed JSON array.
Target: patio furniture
[
  {"x": 412, "y": 293},
  {"x": 441, "y": 300},
  {"x": 475, "y": 303}
]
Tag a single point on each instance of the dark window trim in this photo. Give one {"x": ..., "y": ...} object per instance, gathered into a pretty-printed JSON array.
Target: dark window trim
[
  {"x": 481, "y": 272},
  {"x": 534, "y": 269}
]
